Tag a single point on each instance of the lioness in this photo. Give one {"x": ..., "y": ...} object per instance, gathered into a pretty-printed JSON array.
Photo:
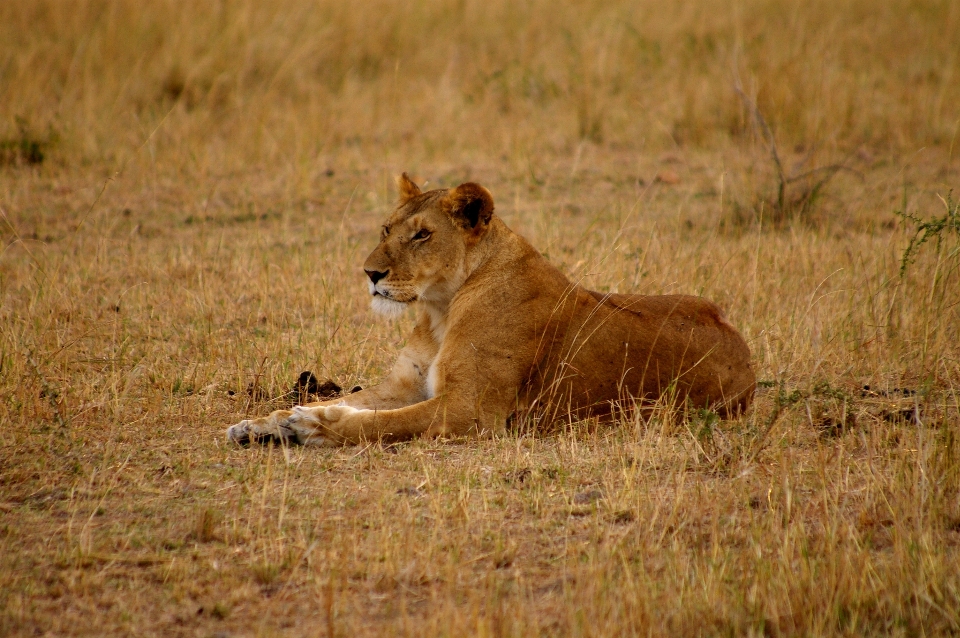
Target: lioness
[{"x": 503, "y": 334}]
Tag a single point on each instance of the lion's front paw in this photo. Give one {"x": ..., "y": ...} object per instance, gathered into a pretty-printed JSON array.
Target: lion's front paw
[
  {"x": 239, "y": 433},
  {"x": 272, "y": 428},
  {"x": 315, "y": 425}
]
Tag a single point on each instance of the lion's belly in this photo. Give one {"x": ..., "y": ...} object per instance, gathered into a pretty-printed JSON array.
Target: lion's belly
[{"x": 644, "y": 348}]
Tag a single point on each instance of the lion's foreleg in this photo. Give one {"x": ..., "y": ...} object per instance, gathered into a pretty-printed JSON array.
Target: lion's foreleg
[
  {"x": 346, "y": 425},
  {"x": 330, "y": 425},
  {"x": 433, "y": 417}
]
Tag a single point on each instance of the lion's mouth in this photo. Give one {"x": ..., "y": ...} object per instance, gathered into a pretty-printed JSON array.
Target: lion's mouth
[
  {"x": 376, "y": 292},
  {"x": 389, "y": 296},
  {"x": 379, "y": 293}
]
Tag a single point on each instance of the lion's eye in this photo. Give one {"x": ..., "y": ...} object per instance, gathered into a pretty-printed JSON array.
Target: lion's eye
[
  {"x": 384, "y": 231},
  {"x": 422, "y": 234}
]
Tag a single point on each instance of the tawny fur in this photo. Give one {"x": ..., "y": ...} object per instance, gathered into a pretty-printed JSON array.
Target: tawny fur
[{"x": 504, "y": 334}]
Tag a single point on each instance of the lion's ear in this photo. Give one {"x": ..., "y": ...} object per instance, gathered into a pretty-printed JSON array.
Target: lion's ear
[
  {"x": 407, "y": 188},
  {"x": 471, "y": 204}
]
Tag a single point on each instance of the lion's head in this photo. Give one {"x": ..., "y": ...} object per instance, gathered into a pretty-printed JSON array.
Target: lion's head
[{"x": 425, "y": 245}]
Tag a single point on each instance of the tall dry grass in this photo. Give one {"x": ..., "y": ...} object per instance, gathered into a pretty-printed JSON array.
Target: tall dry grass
[
  {"x": 188, "y": 189},
  {"x": 241, "y": 82}
]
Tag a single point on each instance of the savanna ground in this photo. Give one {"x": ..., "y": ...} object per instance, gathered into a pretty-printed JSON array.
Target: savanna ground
[{"x": 188, "y": 191}]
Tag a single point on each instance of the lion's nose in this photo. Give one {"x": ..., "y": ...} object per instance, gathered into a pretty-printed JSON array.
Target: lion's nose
[{"x": 375, "y": 275}]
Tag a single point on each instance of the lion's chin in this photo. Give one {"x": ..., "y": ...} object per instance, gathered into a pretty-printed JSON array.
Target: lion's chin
[{"x": 387, "y": 307}]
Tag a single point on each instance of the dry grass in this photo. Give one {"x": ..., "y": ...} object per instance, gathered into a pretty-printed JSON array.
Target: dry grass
[{"x": 188, "y": 190}]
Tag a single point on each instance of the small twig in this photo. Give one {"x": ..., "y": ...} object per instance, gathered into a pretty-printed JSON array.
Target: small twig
[
  {"x": 783, "y": 179},
  {"x": 765, "y": 129}
]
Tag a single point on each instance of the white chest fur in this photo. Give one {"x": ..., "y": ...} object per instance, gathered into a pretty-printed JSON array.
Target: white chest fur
[
  {"x": 432, "y": 380},
  {"x": 438, "y": 329}
]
